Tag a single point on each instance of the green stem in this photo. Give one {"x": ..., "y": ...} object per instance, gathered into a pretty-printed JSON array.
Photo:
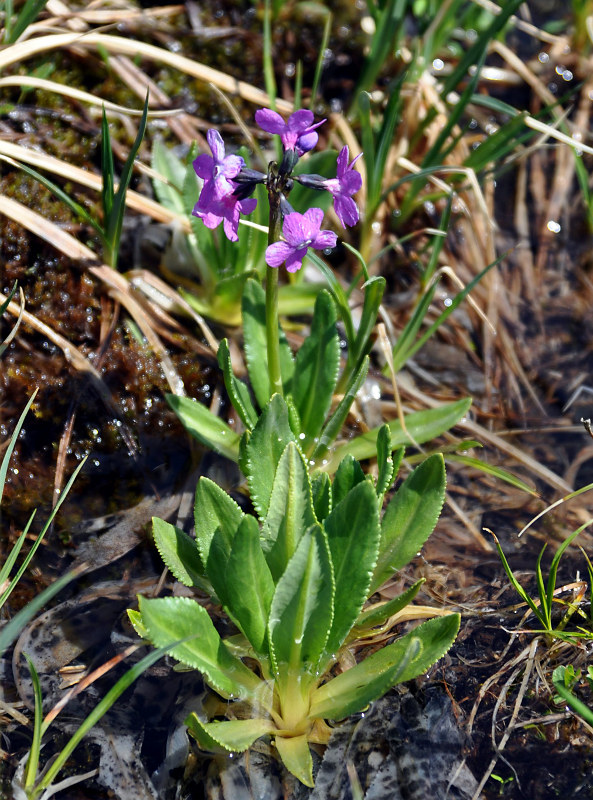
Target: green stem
[{"x": 272, "y": 324}]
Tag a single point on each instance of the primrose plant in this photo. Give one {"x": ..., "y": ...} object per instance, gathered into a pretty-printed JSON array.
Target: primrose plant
[{"x": 295, "y": 575}]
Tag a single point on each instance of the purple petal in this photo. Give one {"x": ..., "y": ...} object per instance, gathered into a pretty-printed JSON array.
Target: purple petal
[
  {"x": 295, "y": 228},
  {"x": 295, "y": 260},
  {"x": 231, "y": 226},
  {"x": 204, "y": 166},
  {"x": 314, "y": 217},
  {"x": 306, "y": 142},
  {"x": 231, "y": 166},
  {"x": 216, "y": 144},
  {"x": 248, "y": 205},
  {"x": 270, "y": 121},
  {"x": 332, "y": 185},
  {"x": 342, "y": 161},
  {"x": 300, "y": 120},
  {"x": 277, "y": 253},
  {"x": 351, "y": 182},
  {"x": 346, "y": 211},
  {"x": 210, "y": 220},
  {"x": 324, "y": 239}
]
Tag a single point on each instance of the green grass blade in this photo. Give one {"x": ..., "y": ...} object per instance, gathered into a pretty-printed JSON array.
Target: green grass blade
[
  {"x": 12, "y": 443},
  {"x": 33, "y": 760},
  {"x": 93, "y": 718},
  {"x": 13, "y": 628},
  {"x": 320, "y": 58},
  {"x": 115, "y": 217},
  {"x": 514, "y": 582},
  {"x": 27, "y": 15}
]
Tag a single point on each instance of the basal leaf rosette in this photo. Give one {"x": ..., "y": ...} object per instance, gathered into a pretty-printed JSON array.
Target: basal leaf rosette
[{"x": 295, "y": 579}]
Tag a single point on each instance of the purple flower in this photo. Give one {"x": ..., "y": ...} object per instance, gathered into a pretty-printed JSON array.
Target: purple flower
[
  {"x": 226, "y": 209},
  {"x": 300, "y": 231},
  {"x": 297, "y": 134},
  {"x": 343, "y": 186},
  {"x": 216, "y": 171}
]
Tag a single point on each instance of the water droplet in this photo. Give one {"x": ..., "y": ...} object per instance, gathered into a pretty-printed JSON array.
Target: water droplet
[
  {"x": 553, "y": 226},
  {"x": 543, "y": 58},
  {"x": 301, "y": 435},
  {"x": 438, "y": 64},
  {"x": 447, "y": 302}
]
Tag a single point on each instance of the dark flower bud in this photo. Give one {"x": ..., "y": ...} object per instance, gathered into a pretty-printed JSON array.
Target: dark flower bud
[
  {"x": 285, "y": 207},
  {"x": 312, "y": 181},
  {"x": 247, "y": 175},
  {"x": 289, "y": 161}
]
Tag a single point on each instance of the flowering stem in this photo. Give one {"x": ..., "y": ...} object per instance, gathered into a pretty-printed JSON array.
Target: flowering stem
[{"x": 272, "y": 324}]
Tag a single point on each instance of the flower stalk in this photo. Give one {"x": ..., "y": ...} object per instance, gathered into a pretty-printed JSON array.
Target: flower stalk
[{"x": 275, "y": 229}]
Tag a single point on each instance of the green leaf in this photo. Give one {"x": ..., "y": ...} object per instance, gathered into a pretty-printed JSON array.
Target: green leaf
[
  {"x": 490, "y": 469},
  {"x": 410, "y": 517},
  {"x": 214, "y": 510},
  {"x": 373, "y": 294},
  {"x": 169, "y": 619},
  {"x": 316, "y": 371},
  {"x": 406, "y": 658},
  {"x": 302, "y": 607},
  {"x": 243, "y": 582},
  {"x": 165, "y": 163},
  {"x": 234, "y": 736},
  {"x": 179, "y": 552},
  {"x": 237, "y": 391},
  {"x": 353, "y": 532},
  {"x": 290, "y": 511},
  {"x": 115, "y": 208},
  {"x": 263, "y": 450},
  {"x": 337, "y": 419},
  {"x": 321, "y": 490},
  {"x": 296, "y": 757},
  {"x": 203, "y": 425},
  {"x": 385, "y": 463},
  {"x": 421, "y": 425},
  {"x": 255, "y": 344},
  {"x": 347, "y": 476},
  {"x": 380, "y": 613}
]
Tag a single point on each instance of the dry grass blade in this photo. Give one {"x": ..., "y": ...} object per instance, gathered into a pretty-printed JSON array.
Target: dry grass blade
[
  {"x": 83, "y": 97},
  {"x": 135, "y": 201},
  {"x": 128, "y": 47}
]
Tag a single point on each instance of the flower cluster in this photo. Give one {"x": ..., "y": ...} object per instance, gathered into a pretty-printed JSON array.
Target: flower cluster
[{"x": 228, "y": 184}]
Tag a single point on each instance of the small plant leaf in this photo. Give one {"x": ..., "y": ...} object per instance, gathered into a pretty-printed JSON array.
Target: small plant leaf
[
  {"x": 179, "y": 552},
  {"x": 422, "y": 426},
  {"x": 410, "y": 517},
  {"x": 378, "y": 615},
  {"x": 234, "y": 736},
  {"x": 337, "y": 419},
  {"x": 302, "y": 607},
  {"x": 170, "y": 619},
  {"x": 296, "y": 757},
  {"x": 385, "y": 463},
  {"x": 255, "y": 344},
  {"x": 290, "y": 511},
  {"x": 406, "y": 658},
  {"x": 263, "y": 450},
  {"x": 214, "y": 510},
  {"x": 373, "y": 294},
  {"x": 321, "y": 490},
  {"x": 316, "y": 371},
  {"x": 237, "y": 391},
  {"x": 347, "y": 476},
  {"x": 165, "y": 162},
  {"x": 207, "y": 428},
  {"x": 243, "y": 581},
  {"x": 353, "y": 535}
]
